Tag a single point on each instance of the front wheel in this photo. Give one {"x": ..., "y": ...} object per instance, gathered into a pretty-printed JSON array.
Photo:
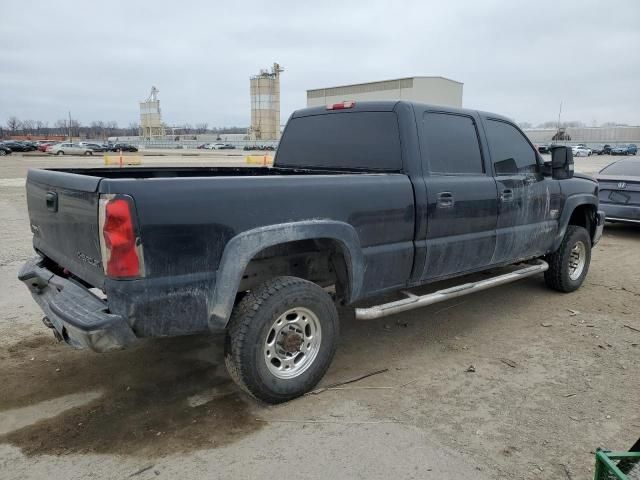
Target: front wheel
[
  {"x": 568, "y": 266},
  {"x": 281, "y": 339},
  {"x": 59, "y": 152}
]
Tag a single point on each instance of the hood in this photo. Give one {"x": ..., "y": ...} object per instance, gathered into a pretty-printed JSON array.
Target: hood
[{"x": 584, "y": 176}]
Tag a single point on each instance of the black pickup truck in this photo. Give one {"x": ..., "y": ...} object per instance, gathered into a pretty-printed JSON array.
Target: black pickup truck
[{"x": 363, "y": 199}]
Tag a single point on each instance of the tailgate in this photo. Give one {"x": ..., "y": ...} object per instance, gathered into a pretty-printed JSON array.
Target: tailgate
[{"x": 63, "y": 212}]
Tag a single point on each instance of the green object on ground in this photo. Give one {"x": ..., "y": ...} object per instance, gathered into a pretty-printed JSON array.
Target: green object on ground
[{"x": 617, "y": 465}]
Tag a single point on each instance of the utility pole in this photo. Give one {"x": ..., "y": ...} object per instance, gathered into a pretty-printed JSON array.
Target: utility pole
[
  {"x": 70, "y": 141},
  {"x": 559, "y": 113}
]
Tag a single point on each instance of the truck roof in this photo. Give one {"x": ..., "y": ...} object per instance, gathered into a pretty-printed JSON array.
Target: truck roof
[{"x": 388, "y": 106}]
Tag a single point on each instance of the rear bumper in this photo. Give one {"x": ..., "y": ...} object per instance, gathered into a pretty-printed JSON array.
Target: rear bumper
[
  {"x": 621, "y": 213},
  {"x": 81, "y": 318}
]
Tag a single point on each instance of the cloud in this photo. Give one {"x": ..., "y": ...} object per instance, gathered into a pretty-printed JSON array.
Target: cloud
[{"x": 519, "y": 59}]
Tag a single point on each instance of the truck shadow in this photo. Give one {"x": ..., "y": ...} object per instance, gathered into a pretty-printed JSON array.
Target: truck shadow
[
  {"x": 165, "y": 396},
  {"x": 173, "y": 395}
]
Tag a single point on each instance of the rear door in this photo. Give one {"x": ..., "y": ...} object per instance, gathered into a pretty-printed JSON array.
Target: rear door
[
  {"x": 528, "y": 202},
  {"x": 461, "y": 195},
  {"x": 63, "y": 214}
]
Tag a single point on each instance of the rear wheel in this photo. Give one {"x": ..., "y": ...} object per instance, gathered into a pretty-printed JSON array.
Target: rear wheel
[
  {"x": 59, "y": 152},
  {"x": 88, "y": 152},
  {"x": 568, "y": 266},
  {"x": 281, "y": 339}
]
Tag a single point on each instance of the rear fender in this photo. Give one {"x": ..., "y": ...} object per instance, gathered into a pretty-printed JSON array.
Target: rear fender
[{"x": 243, "y": 247}]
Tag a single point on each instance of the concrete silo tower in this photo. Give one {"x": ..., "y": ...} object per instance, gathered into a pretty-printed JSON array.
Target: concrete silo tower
[{"x": 265, "y": 104}]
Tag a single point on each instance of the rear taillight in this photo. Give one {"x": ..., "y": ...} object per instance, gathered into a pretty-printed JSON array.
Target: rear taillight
[
  {"x": 119, "y": 242},
  {"x": 342, "y": 105}
]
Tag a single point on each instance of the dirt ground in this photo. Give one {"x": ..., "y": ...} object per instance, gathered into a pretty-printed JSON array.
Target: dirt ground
[{"x": 556, "y": 376}]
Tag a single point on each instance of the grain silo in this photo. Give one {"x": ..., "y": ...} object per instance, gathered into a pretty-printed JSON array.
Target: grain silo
[
  {"x": 265, "y": 104},
  {"x": 150, "y": 119}
]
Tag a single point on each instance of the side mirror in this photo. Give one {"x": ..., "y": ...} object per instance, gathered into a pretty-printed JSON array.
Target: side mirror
[{"x": 561, "y": 163}]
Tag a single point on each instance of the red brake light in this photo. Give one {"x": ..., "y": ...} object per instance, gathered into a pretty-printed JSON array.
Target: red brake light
[
  {"x": 121, "y": 254},
  {"x": 342, "y": 105}
]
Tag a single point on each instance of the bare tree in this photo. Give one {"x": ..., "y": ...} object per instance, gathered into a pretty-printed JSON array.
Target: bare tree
[
  {"x": 134, "y": 129},
  {"x": 28, "y": 126},
  {"x": 201, "y": 127},
  {"x": 61, "y": 126},
  {"x": 39, "y": 125},
  {"x": 97, "y": 129},
  {"x": 75, "y": 128},
  {"x": 13, "y": 124}
]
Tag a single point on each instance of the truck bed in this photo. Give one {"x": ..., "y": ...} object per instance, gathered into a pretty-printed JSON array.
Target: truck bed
[{"x": 182, "y": 172}]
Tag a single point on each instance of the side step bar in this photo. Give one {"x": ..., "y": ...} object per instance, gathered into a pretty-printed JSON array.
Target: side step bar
[{"x": 414, "y": 301}]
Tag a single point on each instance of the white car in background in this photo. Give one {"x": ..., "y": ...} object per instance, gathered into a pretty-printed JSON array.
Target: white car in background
[
  {"x": 214, "y": 146},
  {"x": 69, "y": 149},
  {"x": 580, "y": 151}
]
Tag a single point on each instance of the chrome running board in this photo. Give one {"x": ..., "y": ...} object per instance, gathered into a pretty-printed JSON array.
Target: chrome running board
[{"x": 414, "y": 301}]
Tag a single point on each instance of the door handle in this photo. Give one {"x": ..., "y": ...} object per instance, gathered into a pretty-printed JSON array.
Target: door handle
[
  {"x": 445, "y": 200},
  {"x": 506, "y": 195},
  {"x": 52, "y": 201}
]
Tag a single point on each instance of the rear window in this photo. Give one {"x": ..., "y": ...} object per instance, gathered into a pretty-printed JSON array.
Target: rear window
[
  {"x": 628, "y": 168},
  {"x": 451, "y": 143},
  {"x": 358, "y": 140}
]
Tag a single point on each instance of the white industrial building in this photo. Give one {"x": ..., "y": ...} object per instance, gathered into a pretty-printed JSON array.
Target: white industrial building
[
  {"x": 432, "y": 90},
  {"x": 589, "y": 135}
]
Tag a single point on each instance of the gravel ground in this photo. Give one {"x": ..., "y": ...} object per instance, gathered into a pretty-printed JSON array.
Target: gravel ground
[{"x": 556, "y": 376}]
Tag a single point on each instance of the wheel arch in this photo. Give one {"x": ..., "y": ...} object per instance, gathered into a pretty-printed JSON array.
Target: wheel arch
[
  {"x": 244, "y": 247},
  {"x": 580, "y": 210}
]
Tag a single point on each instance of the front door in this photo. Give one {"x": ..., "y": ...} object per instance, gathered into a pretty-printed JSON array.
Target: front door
[
  {"x": 461, "y": 196},
  {"x": 528, "y": 202}
]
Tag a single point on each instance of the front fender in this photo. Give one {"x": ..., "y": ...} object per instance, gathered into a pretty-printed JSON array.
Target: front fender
[
  {"x": 570, "y": 204},
  {"x": 243, "y": 247}
]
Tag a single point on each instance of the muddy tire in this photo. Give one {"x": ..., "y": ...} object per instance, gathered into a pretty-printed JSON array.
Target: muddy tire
[
  {"x": 568, "y": 266},
  {"x": 281, "y": 339}
]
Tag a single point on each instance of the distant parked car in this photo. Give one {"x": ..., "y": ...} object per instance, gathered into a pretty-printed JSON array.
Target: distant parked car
[
  {"x": 4, "y": 150},
  {"x": 69, "y": 149},
  {"x": 42, "y": 146},
  {"x": 580, "y": 151},
  {"x": 544, "y": 148},
  {"x": 93, "y": 146},
  {"x": 17, "y": 146},
  {"x": 125, "y": 147},
  {"x": 214, "y": 146},
  {"x": 596, "y": 149},
  {"x": 619, "y": 190},
  {"x": 630, "y": 149}
]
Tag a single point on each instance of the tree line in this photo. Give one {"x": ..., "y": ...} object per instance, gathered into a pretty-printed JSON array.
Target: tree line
[{"x": 99, "y": 129}]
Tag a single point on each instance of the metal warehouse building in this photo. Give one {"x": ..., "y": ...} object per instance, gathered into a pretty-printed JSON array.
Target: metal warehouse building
[
  {"x": 612, "y": 135},
  {"x": 433, "y": 90}
]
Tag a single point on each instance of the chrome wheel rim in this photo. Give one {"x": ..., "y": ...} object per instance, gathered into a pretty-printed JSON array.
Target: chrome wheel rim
[
  {"x": 292, "y": 343},
  {"x": 577, "y": 260}
]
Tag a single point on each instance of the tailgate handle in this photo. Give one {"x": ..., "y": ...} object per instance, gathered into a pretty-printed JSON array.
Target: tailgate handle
[{"x": 52, "y": 201}]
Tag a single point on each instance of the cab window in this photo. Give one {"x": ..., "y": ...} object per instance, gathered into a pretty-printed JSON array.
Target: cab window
[{"x": 511, "y": 153}]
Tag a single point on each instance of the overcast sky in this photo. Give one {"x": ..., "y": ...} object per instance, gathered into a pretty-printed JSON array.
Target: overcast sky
[{"x": 520, "y": 59}]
